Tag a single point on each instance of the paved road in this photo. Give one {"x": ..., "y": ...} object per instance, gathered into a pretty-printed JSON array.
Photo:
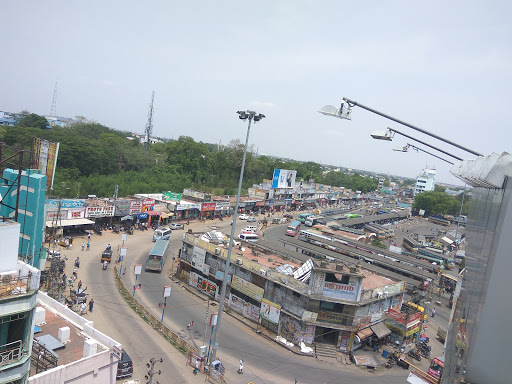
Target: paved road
[{"x": 264, "y": 361}]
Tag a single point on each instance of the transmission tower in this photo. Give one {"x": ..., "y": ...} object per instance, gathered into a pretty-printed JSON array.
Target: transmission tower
[
  {"x": 53, "y": 112},
  {"x": 149, "y": 124}
]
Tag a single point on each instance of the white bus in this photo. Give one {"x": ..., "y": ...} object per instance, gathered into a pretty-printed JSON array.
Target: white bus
[
  {"x": 312, "y": 220},
  {"x": 161, "y": 234},
  {"x": 251, "y": 237}
]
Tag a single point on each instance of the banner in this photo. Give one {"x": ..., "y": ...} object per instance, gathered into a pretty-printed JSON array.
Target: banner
[
  {"x": 204, "y": 285},
  {"x": 99, "y": 211},
  {"x": 340, "y": 291},
  {"x": 171, "y": 196},
  {"x": 208, "y": 207},
  {"x": 44, "y": 154},
  {"x": 64, "y": 203},
  {"x": 283, "y": 178},
  {"x": 135, "y": 207},
  {"x": 270, "y": 311}
]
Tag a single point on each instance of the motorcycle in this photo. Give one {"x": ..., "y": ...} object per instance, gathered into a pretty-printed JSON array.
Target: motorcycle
[
  {"x": 98, "y": 231},
  {"x": 105, "y": 264},
  {"x": 77, "y": 262},
  {"x": 415, "y": 354},
  {"x": 115, "y": 229}
]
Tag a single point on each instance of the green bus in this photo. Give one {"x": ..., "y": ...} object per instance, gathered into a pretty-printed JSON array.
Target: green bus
[{"x": 303, "y": 216}]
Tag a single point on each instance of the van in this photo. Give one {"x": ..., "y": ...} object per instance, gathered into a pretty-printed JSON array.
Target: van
[
  {"x": 124, "y": 366},
  {"x": 251, "y": 237},
  {"x": 161, "y": 234}
]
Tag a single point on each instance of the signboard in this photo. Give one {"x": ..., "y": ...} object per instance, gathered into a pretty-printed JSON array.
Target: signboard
[
  {"x": 257, "y": 193},
  {"x": 167, "y": 291},
  {"x": 270, "y": 311},
  {"x": 122, "y": 207},
  {"x": 64, "y": 204},
  {"x": 413, "y": 318},
  {"x": 117, "y": 352},
  {"x": 205, "y": 285},
  {"x": 143, "y": 215},
  {"x": 223, "y": 205},
  {"x": 283, "y": 178},
  {"x": 137, "y": 269},
  {"x": 44, "y": 155},
  {"x": 198, "y": 257},
  {"x": 208, "y": 207},
  {"x": 189, "y": 192},
  {"x": 247, "y": 288},
  {"x": 397, "y": 316},
  {"x": 100, "y": 211},
  {"x": 76, "y": 213},
  {"x": 340, "y": 291},
  {"x": 137, "y": 286},
  {"x": 148, "y": 205},
  {"x": 330, "y": 317},
  {"x": 171, "y": 196},
  {"x": 135, "y": 207}
]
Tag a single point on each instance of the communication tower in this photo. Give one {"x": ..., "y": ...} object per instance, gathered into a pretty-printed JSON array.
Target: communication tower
[
  {"x": 149, "y": 124},
  {"x": 53, "y": 112}
]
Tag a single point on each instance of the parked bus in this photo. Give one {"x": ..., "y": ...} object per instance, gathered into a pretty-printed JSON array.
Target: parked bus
[
  {"x": 313, "y": 220},
  {"x": 161, "y": 234},
  {"x": 157, "y": 256},
  {"x": 411, "y": 245},
  {"x": 449, "y": 263},
  {"x": 429, "y": 259},
  {"x": 303, "y": 216},
  {"x": 293, "y": 228},
  {"x": 439, "y": 220}
]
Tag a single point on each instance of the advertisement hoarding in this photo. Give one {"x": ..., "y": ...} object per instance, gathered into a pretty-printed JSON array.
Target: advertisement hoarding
[
  {"x": 44, "y": 154},
  {"x": 270, "y": 311},
  {"x": 171, "y": 196},
  {"x": 283, "y": 178}
]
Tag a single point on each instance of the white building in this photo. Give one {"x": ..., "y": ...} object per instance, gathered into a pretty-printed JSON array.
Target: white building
[{"x": 425, "y": 181}]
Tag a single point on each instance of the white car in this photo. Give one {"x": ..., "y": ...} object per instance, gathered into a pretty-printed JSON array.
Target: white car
[{"x": 243, "y": 217}]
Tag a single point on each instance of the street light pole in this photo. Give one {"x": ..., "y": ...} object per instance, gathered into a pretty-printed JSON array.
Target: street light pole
[{"x": 250, "y": 116}]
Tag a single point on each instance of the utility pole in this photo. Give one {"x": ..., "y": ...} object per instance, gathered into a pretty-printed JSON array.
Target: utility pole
[
  {"x": 149, "y": 124},
  {"x": 53, "y": 111},
  {"x": 152, "y": 372}
]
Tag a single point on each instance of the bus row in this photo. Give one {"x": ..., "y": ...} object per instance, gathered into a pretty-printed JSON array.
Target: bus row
[{"x": 415, "y": 249}]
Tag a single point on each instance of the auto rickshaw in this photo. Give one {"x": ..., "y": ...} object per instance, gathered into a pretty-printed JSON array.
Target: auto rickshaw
[{"x": 106, "y": 255}]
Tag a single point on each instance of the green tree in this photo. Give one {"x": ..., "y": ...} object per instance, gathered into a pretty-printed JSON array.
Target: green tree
[
  {"x": 436, "y": 203},
  {"x": 33, "y": 120}
]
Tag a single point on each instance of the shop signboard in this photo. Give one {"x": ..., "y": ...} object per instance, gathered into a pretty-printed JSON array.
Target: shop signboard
[
  {"x": 330, "y": 317},
  {"x": 250, "y": 203},
  {"x": 135, "y": 207},
  {"x": 397, "y": 316},
  {"x": 260, "y": 203},
  {"x": 56, "y": 215},
  {"x": 75, "y": 213},
  {"x": 340, "y": 291},
  {"x": 181, "y": 207},
  {"x": 53, "y": 204},
  {"x": 192, "y": 193},
  {"x": 247, "y": 288},
  {"x": 208, "y": 207},
  {"x": 171, "y": 196},
  {"x": 148, "y": 205},
  {"x": 205, "y": 285},
  {"x": 222, "y": 206},
  {"x": 270, "y": 311},
  {"x": 160, "y": 207},
  {"x": 414, "y": 318},
  {"x": 99, "y": 211},
  {"x": 122, "y": 207},
  {"x": 412, "y": 331},
  {"x": 194, "y": 206},
  {"x": 143, "y": 215},
  {"x": 257, "y": 193}
]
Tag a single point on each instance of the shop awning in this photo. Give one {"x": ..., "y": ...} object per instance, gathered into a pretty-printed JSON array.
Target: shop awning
[
  {"x": 69, "y": 222},
  {"x": 380, "y": 330},
  {"x": 165, "y": 215},
  {"x": 364, "y": 333}
]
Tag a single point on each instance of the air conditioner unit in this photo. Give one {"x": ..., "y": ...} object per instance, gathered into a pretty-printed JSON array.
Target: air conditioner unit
[
  {"x": 217, "y": 251},
  {"x": 239, "y": 261},
  {"x": 263, "y": 272}
]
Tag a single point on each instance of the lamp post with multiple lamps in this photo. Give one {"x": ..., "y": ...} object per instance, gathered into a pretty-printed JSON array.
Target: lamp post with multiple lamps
[{"x": 250, "y": 116}]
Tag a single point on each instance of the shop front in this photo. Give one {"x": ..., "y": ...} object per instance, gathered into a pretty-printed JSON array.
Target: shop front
[
  {"x": 405, "y": 327},
  {"x": 207, "y": 211},
  {"x": 222, "y": 209},
  {"x": 187, "y": 211}
]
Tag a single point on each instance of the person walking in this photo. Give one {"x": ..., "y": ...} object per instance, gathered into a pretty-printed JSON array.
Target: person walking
[
  {"x": 91, "y": 304},
  {"x": 241, "y": 367},
  {"x": 83, "y": 245},
  {"x": 88, "y": 236},
  {"x": 88, "y": 245},
  {"x": 80, "y": 284},
  {"x": 82, "y": 308},
  {"x": 433, "y": 312}
]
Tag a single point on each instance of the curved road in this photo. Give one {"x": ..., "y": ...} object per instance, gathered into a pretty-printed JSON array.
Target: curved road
[{"x": 264, "y": 361}]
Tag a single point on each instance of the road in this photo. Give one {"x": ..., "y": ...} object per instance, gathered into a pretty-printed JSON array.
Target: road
[{"x": 264, "y": 360}]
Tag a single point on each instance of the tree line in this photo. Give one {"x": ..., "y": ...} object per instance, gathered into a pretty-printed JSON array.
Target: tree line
[{"x": 93, "y": 159}]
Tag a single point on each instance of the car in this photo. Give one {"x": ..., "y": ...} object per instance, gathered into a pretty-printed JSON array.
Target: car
[
  {"x": 176, "y": 226},
  {"x": 124, "y": 366},
  {"x": 243, "y": 217},
  {"x": 251, "y": 219}
]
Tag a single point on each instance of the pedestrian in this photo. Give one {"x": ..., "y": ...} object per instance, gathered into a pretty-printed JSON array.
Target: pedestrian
[
  {"x": 88, "y": 236},
  {"x": 82, "y": 308},
  {"x": 83, "y": 245},
  {"x": 80, "y": 284},
  {"x": 196, "y": 367},
  {"x": 88, "y": 245},
  {"x": 433, "y": 312},
  {"x": 75, "y": 273},
  {"x": 241, "y": 367},
  {"x": 91, "y": 304}
]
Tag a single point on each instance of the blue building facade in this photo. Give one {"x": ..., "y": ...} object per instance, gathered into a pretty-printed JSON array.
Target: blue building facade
[{"x": 31, "y": 215}]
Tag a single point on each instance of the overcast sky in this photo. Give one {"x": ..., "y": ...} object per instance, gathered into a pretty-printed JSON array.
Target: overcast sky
[{"x": 444, "y": 66}]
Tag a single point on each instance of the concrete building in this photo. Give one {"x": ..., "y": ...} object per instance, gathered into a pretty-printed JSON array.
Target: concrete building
[
  {"x": 19, "y": 284},
  {"x": 311, "y": 302},
  {"x": 425, "y": 181},
  {"x": 31, "y": 211}
]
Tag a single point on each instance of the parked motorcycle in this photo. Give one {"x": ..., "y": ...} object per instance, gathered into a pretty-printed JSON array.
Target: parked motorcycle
[
  {"x": 415, "y": 354},
  {"x": 97, "y": 230},
  {"x": 115, "y": 229}
]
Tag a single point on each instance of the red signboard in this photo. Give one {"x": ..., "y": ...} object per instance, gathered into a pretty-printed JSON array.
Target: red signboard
[
  {"x": 395, "y": 315},
  {"x": 208, "y": 207},
  {"x": 414, "y": 318}
]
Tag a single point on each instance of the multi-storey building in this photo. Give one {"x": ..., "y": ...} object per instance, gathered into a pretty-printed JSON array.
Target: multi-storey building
[
  {"x": 425, "y": 181},
  {"x": 19, "y": 284},
  {"x": 303, "y": 301}
]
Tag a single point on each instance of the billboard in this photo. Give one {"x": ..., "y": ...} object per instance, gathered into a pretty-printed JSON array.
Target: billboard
[
  {"x": 171, "y": 196},
  {"x": 44, "y": 154},
  {"x": 284, "y": 178}
]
